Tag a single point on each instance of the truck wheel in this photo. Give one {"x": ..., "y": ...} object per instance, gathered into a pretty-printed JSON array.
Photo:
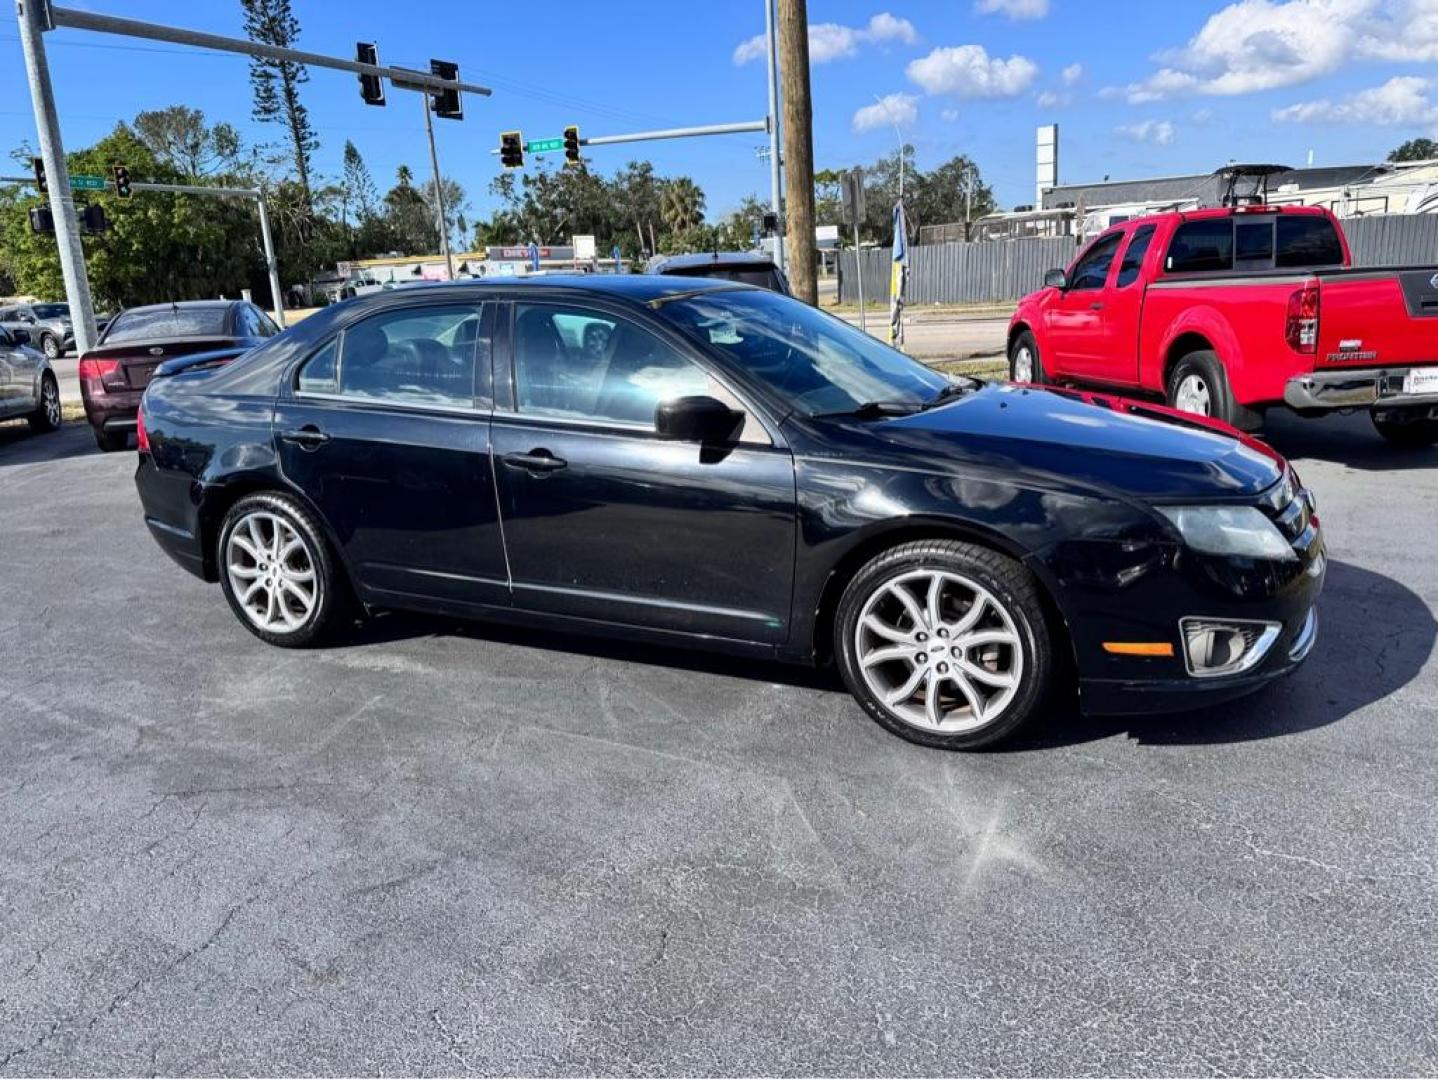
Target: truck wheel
[
  {"x": 1024, "y": 363},
  {"x": 1198, "y": 384},
  {"x": 1407, "y": 429}
]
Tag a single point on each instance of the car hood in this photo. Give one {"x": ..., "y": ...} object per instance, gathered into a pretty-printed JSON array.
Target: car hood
[{"x": 1113, "y": 443}]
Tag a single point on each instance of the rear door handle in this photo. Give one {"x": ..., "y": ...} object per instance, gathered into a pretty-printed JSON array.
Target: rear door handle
[
  {"x": 538, "y": 461},
  {"x": 308, "y": 437}
]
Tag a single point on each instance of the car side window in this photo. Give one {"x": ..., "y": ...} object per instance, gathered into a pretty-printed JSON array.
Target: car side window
[
  {"x": 1201, "y": 246},
  {"x": 412, "y": 356},
  {"x": 583, "y": 364},
  {"x": 1133, "y": 255},
  {"x": 1091, "y": 271},
  {"x": 264, "y": 324}
]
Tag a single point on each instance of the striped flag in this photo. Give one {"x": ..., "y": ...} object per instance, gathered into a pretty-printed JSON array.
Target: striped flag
[{"x": 898, "y": 276}]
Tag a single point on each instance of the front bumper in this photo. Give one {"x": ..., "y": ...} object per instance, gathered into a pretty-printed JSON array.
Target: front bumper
[{"x": 1352, "y": 389}]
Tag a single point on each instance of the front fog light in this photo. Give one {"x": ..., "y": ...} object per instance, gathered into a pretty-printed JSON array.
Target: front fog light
[{"x": 1213, "y": 647}]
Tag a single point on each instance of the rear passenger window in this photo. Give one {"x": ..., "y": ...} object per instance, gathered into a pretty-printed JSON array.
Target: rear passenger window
[
  {"x": 1307, "y": 240},
  {"x": 414, "y": 356},
  {"x": 320, "y": 375},
  {"x": 1133, "y": 255},
  {"x": 1201, "y": 246}
]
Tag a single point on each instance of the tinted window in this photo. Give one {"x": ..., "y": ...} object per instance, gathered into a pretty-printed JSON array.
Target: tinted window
[
  {"x": 51, "y": 311},
  {"x": 590, "y": 365},
  {"x": 1305, "y": 240},
  {"x": 417, "y": 356},
  {"x": 763, "y": 276},
  {"x": 266, "y": 325},
  {"x": 1201, "y": 245},
  {"x": 167, "y": 323},
  {"x": 1253, "y": 243},
  {"x": 320, "y": 375},
  {"x": 1091, "y": 270},
  {"x": 1133, "y": 255},
  {"x": 814, "y": 361}
]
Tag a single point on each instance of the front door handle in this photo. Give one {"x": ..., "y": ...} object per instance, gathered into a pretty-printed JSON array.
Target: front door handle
[
  {"x": 1097, "y": 305},
  {"x": 308, "y": 437},
  {"x": 536, "y": 461}
]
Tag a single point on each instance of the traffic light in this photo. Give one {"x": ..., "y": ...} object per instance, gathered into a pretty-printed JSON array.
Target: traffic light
[
  {"x": 41, "y": 219},
  {"x": 571, "y": 146},
  {"x": 771, "y": 223},
  {"x": 371, "y": 86},
  {"x": 92, "y": 219},
  {"x": 122, "y": 180},
  {"x": 511, "y": 150},
  {"x": 38, "y": 164},
  {"x": 446, "y": 102}
]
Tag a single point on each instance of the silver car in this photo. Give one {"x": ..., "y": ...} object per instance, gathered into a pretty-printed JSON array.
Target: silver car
[
  {"x": 27, "y": 384},
  {"x": 49, "y": 325}
]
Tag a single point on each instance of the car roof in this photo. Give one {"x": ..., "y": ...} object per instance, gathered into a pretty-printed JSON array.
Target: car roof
[
  {"x": 638, "y": 287},
  {"x": 710, "y": 258},
  {"x": 185, "y": 305}
]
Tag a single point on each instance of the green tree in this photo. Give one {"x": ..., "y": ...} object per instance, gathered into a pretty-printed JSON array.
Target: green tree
[
  {"x": 359, "y": 185},
  {"x": 681, "y": 203},
  {"x": 408, "y": 219},
  {"x": 275, "y": 84},
  {"x": 179, "y": 137},
  {"x": 1415, "y": 150}
]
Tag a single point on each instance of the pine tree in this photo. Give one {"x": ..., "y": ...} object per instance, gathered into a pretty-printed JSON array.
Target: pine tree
[
  {"x": 275, "y": 84},
  {"x": 358, "y": 182}
]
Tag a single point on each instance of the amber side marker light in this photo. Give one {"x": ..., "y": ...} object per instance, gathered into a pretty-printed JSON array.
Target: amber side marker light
[{"x": 1138, "y": 648}]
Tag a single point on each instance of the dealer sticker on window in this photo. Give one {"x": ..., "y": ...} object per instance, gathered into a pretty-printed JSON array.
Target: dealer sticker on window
[{"x": 1421, "y": 381}]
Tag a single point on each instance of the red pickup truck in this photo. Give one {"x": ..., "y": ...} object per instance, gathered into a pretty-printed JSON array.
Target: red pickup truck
[{"x": 1225, "y": 312}]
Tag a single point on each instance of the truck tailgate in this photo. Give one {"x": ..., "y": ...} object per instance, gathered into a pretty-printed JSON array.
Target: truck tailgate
[{"x": 1378, "y": 317}]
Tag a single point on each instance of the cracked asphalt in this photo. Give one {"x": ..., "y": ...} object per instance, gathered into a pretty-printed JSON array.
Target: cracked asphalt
[{"x": 449, "y": 848}]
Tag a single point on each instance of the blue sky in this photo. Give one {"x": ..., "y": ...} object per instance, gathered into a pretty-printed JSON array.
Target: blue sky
[{"x": 1138, "y": 88}]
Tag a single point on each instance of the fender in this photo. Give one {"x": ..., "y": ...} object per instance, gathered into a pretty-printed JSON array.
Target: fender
[{"x": 1206, "y": 322}]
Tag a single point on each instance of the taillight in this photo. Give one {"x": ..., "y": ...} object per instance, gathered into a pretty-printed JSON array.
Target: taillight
[
  {"x": 1301, "y": 329},
  {"x": 97, "y": 369},
  {"x": 142, "y": 437}
]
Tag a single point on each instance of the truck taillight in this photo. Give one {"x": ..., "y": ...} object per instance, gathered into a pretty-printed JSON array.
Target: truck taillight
[{"x": 1301, "y": 330}]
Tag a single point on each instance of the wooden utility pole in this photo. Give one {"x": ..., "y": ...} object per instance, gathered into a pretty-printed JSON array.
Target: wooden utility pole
[{"x": 798, "y": 129}]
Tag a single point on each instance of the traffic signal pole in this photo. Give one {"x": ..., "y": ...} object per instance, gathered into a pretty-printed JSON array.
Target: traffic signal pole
[{"x": 57, "y": 175}]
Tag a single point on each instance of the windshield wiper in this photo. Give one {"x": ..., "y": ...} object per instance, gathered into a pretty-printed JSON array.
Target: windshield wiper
[
  {"x": 953, "y": 390},
  {"x": 871, "y": 409}
]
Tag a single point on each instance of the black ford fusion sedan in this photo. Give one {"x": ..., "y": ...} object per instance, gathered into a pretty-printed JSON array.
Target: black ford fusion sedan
[{"x": 717, "y": 465}]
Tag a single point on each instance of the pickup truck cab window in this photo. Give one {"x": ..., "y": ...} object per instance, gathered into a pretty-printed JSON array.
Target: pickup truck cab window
[
  {"x": 1091, "y": 270},
  {"x": 1133, "y": 255},
  {"x": 1305, "y": 240},
  {"x": 1201, "y": 246}
]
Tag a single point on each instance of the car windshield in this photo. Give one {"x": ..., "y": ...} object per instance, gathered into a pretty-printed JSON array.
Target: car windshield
[
  {"x": 756, "y": 274},
  {"x": 814, "y": 361},
  {"x": 51, "y": 311},
  {"x": 167, "y": 323}
]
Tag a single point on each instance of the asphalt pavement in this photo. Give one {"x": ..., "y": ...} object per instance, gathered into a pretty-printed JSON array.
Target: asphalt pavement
[{"x": 445, "y": 848}]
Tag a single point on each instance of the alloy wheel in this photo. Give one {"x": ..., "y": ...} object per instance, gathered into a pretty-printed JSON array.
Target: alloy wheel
[
  {"x": 1024, "y": 364},
  {"x": 51, "y": 348},
  {"x": 50, "y": 402},
  {"x": 271, "y": 572},
  {"x": 1193, "y": 396},
  {"x": 939, "y": 651}
]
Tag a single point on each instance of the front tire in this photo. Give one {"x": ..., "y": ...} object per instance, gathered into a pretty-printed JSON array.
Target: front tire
[
  {"x": 1025, "y": 365},
  {"x": 49, "y": 415},
  {"x": 944, "y": 643},
  {"x": 276, "y": 571},
  {"x": 1406, "y": 429},
  {"x": 50, "y": 346}
]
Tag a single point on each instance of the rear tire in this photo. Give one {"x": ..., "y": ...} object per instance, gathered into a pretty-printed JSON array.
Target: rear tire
[
  {"x": 1025, "y": 364},
  {"x": 1198, "y": 384},
  {"x": 111, "y": 441},
  {"x": 944, "y": 643},
  {"x": 277, "y": 572},
  {"x": 49, "y": 415},
  {"x": 50, "y": 346},
  {"x": 1406, "y": 429}
]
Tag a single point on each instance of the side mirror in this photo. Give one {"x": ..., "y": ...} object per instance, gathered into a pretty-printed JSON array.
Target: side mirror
[
  {"x": 20, "y": 336},
  {"x": 1056, "y": 279},
  {"x": 697, "y": 418}
]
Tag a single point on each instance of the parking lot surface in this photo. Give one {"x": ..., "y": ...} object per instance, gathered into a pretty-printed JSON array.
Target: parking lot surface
[{"x": 445, "y": 848}]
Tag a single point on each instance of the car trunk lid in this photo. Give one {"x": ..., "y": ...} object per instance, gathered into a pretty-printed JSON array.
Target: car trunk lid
[{"x": 137, "y": 360}]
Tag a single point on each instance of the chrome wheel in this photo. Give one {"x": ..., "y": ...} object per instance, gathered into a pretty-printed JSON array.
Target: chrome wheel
[
  {"x": 271, "y": 572},
  {"x": 50, "y": 402},
  {"x": 51, "y": 348},
  {"x": 1192, "y": 396},
  {"x": 1023, "y": 364},
  {"x": 939, "y": 651}
]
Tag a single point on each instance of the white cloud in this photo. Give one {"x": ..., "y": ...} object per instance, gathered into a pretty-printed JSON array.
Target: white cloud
[
  {"x": 1403, "y": 30},
  {"x": 1014, "y": 9},
  {"x": 949, "y": 115},
  {"x": 967, "y": 71},
  {"x": 1072, "y": 74},
  {"x": 901, "y": 109},
  {"x": 1052, "y": 99},
  {"x": 833, "y": 41},
  {"x": 1147, "y": 131},
  {"x": 1401, "y": 101}
]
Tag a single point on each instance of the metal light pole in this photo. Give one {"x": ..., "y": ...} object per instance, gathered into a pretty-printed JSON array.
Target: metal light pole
[
  {"x": 438, "y": 190},
  {"x": 776, "y": 189},
  {"x": 57, "y": 175}
]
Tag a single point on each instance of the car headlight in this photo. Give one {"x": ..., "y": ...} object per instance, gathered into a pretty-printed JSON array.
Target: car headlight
[{"x": 1229, "y": 530}]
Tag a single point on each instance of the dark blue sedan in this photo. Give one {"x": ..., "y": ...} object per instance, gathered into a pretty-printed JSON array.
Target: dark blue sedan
[{"x": 717, "y": 465}]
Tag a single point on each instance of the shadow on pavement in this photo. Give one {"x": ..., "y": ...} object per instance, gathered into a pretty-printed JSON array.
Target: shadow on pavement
[
  {"x": 20, "y": 446},
  {"x": 1352, "y": 666},
  {"x": 1345, "y": 440}
]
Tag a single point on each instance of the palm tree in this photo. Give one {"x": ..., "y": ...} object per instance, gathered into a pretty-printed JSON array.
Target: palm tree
[{"x": 681, "y": 205}]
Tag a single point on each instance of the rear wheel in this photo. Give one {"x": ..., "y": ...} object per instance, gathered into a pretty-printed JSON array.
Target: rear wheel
[
  {"x": 50, "y": 346},
  {"x": 276, "y": 571},
  {"x": 111, "y": 441},
  {"x": 1198, "y": 384},
  {"x": 1024, "y": 363},
  {"x": 1408, "y": 429},
  {"x": 944, "y": 643},
  {"x": 48, "y": 416}
]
